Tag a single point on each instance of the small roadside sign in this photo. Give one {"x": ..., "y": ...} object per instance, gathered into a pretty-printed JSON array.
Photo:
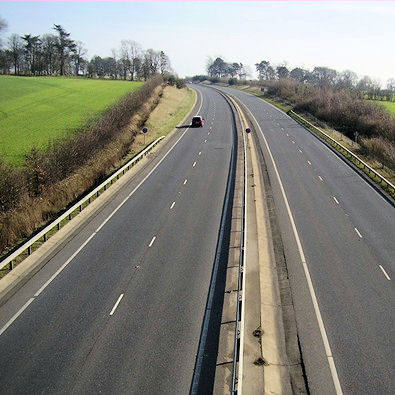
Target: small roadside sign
[{"x": 145, "y": 131}]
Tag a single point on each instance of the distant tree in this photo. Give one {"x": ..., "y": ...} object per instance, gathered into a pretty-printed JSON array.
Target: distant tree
[
  {"x": 32, "y": 44},
  {"x": 130, "y": 51},
  {"x": 49, "y": 55},
  {"x": 3, "y": 26},
  {"x": 63, "y": 45},
  {"x": 262, "y": 68},
  {"x": 77, "y": 57},
  {"x": 324, "y": 76},
  {"x": 282, "y": 72},
  {"x": 218, "y": 68},
  {"x": 364, "y": 86},
  {"x": 99, "y": 67},
  {"x": 298, "y": 74},
  {"x": 15, "y": 48},
  {"x": 347, "y": 80},
  {"x": 391, "y": 88},
  {"x": 164, "y": 63}
]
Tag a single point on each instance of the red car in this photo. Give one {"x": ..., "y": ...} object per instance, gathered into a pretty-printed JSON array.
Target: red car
[{"x": 197, "y": 121}]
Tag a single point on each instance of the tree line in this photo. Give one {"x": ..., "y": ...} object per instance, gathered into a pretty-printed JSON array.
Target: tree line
[
  {"x": 320, "y": 76},
  {"x": 58, "y": 54}
]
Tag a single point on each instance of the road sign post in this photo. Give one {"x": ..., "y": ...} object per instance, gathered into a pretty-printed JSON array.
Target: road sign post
[{"x": 145, "y": 131}]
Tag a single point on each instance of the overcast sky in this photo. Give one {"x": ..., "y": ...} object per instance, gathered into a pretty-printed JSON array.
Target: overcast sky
[{"x": 355, "y": 35}]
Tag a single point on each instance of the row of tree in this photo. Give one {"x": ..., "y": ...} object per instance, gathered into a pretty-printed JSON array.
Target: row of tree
[
  {"x": 58, "y": 54},
  {"x": 320, "y": 76},
  {"x": 327, "y": 77}
]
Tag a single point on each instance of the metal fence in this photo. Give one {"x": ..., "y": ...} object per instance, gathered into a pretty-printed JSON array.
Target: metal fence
[
  {"x": 373, "y": 174},
  {"x": 76, "y": 208}
]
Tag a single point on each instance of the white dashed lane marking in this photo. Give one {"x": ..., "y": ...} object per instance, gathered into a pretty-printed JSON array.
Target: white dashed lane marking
[
  {"x": 358, "y": 233},
  {"x": 385, "y": 273},
  {"x": 152, "y": 241},
  {"x": 116, "y": 304}
]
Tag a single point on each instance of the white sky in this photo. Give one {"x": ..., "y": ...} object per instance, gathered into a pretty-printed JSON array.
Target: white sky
[{"x": 355, "y": 35}]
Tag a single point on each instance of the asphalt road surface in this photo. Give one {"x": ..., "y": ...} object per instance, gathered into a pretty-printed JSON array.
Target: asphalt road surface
[
  {"x": 347, "y": 231},
  {"x": 125, "y": 313}
]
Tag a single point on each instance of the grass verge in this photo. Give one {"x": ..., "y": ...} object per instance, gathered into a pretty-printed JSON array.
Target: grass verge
[{"x": 173, "y": 106}]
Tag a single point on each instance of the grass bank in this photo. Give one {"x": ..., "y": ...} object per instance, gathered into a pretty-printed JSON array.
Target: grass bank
[
  {"x": 162, "y": 112},
  {"x": 36, "y": 110},
  {"x": 389, "y": 105}
]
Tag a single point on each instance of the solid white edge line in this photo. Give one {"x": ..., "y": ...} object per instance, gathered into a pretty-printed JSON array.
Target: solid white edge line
[
  {"x": 172, "y": 205},
  {"x": 65, "y": 264},
  {"x": 116, "y": 304},
  {"x": 97, "y": 230},
  {"x": 317, "y": 311},
  {"x": 385, "y": 273},
  {"x": 152, "y": 241},
  {"x": 15, "y": 316}
]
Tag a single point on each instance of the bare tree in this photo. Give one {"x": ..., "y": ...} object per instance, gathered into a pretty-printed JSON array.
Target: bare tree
[
  {"x": 130, "y": 50},
  {"x": 48, "y": 47},
  {"x": 79, "y": 51},
  {"x": 15, "y": 47}
]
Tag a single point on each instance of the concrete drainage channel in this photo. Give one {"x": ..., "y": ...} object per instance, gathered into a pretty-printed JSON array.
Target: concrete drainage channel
[{"x": 258, "y": 348}]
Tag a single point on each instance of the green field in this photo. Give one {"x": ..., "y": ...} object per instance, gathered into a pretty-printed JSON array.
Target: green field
[
  {"x": 36, "y": 110},
  {"x": 389, "y": 105}
]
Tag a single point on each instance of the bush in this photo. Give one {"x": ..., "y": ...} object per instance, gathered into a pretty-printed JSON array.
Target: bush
[
  {"x": 232, "y": 81},
  {"x": 343, "y": 110},
  {"x": 180, "y": 83}
]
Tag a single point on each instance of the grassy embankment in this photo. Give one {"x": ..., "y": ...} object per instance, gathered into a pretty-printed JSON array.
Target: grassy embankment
[
  {"x": 389, "y": 105},
  {"x": 339, "y": 137},
  {"x": 173, "y": 106},
  {"x": 36, "y": 110}
]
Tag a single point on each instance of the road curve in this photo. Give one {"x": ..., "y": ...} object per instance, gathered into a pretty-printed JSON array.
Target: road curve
[
  {"x": 125, "y": 315},
  {"x": 347, "y": 231}
]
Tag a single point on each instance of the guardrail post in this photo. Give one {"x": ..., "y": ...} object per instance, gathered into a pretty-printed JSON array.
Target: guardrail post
[
  {"x": 45, "y": 237},
  {"x": 58, "y": 225},
  {"x": 70, "y": 217},
  {"x": 11, "y": 265},
  {"x": 29, "y": 250},
  {"x": 97, "y": 194},
  {"x": 80, "y": 207}
]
